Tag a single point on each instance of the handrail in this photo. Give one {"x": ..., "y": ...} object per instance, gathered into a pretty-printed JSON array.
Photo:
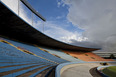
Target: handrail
[{"x": 33, "y": 10}]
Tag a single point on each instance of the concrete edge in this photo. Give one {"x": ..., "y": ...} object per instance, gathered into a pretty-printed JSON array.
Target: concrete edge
[
  {"x": 62, "y": 67},
  {"x": 100, "y": 68}
]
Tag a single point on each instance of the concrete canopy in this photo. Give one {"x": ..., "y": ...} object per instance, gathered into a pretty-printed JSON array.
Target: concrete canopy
[{"x": 13, "y": 26}]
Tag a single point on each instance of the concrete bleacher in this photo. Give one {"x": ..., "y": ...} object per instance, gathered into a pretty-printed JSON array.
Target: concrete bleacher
[
  {"x": 12, "y": 53},
  {"x": 61, "y": 54},
  {"x": 88, "y": 56},
  {"x": 35, "y": 50},
  {"x": 23, "y": 60}
]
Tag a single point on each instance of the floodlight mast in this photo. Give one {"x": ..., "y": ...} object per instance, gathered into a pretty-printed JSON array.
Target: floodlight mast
[{"x": 33, "y": 10}]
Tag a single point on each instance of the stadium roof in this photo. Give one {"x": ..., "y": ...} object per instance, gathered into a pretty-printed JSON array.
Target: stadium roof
[
  {"x": 14, "y": 27},
  {"x": 33, "y": 10}
]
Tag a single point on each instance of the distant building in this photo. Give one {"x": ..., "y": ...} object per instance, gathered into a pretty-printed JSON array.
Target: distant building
[{"x": 106, "y": 54}]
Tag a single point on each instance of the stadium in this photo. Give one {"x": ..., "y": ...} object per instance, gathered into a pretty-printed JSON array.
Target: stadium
[{"x": 27, "y": 52}]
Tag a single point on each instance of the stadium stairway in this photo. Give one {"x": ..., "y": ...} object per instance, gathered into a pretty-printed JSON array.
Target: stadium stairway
[{"x": 22, "y": 60}]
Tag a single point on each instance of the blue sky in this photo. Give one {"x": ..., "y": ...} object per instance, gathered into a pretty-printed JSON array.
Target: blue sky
[
  {"x": 49, "y": 8},
  {"x": 55, "y": 13},
  {"x": 57, "y": 25}
]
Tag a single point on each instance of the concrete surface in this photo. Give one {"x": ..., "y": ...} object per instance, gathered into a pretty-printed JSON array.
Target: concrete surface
[{"x": 80, "y": 70}]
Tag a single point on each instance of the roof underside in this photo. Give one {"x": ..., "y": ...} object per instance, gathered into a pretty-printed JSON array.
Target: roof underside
[{"x": 13, "y": 26}]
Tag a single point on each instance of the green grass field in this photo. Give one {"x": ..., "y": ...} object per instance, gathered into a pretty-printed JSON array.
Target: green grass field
[{"x": 110, "y": 71}]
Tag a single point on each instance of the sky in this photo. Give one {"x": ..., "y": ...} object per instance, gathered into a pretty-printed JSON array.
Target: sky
[{"x": 86, "y": 23}]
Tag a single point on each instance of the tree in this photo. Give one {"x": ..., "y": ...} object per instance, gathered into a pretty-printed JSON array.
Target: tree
[{"x": 112, "y": 56}]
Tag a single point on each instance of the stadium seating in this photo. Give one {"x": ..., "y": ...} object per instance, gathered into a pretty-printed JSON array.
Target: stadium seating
[
  {"x": 36, "y": 51},
  {"x": 62, "y": 54},
  {"x": 87, "y": 56},
  {"x": 23, "y": 60}
]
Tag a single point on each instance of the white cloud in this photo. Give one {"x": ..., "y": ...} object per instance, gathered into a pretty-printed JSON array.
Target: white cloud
[
  {"x": 97, "y": 18},
  {"x": 59, "y": 17},
  {"x": 58, "y": 32},
  {"x": 60, "y": 3}
]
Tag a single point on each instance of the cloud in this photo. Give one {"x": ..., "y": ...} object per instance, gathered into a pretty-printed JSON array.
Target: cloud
[
  {"x": 60, "y": 3},
  {"x": 97, "y": 18},
  {"x": 53, "y": 30},
  {"x": 59, "y": 17},
  {"x": 85, "y": 43}
]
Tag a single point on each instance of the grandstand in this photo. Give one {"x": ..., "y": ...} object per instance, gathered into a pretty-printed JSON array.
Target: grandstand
[
  {"x": 86, "y": 56},
  {"x": 25, "y": 51},
  {"x": 61, "y": 54},
  {"x": 14, "y": 59}
]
